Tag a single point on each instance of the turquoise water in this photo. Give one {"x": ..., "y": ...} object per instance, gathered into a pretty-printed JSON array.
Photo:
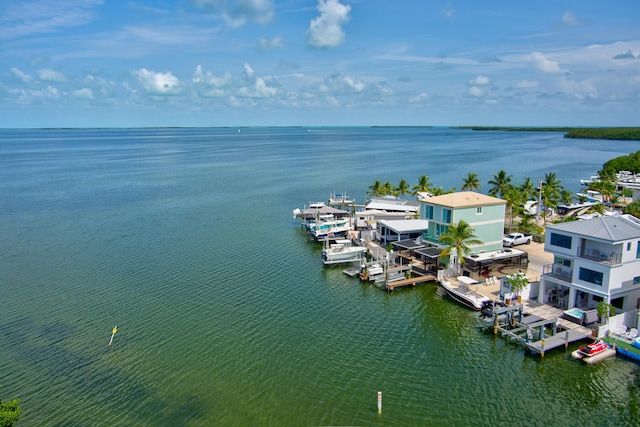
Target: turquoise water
[{"x": 183, "y": 238}]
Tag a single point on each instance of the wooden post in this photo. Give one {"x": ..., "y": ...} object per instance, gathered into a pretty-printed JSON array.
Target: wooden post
[
  {"x": 379, "y": 402},
  {"x": 542, "y": 350},
  {"x": 566, "y": 339}
]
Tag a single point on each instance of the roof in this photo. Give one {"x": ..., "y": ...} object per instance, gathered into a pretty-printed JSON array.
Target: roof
[
  {"x": 407, "y": 244},
  {"x": 392, "y": 205},
  {"x": 610, "y": 228},
  {"x": 429, "y": 252},
  {"x": 324, "y": 210},
  {"x": 407, "y": 225},
  {"x": 463, "y": 199}
]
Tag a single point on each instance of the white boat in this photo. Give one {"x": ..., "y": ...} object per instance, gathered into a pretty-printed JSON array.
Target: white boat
[
  {"x": 343, "y": 251},
  {"x": 372, "y": 272},
  {"x": 338, "y": 199},
  {"x": 332, "y": 228},
  {"x": 459, "y": 289}
]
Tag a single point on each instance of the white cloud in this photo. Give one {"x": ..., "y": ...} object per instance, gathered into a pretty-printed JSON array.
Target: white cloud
[
  {"x": 24, "y": 77},
  {"x": 326, "y": 29},
  {"x": 249, "y": 71},
  {"x": 84, "y": 93},
  {"x": 22, "y": 18},
  {"x": 49, "y": 75},
  {"x": 578, "y": 90},
  {"x": 545, "y": 65},
  {"x": 238, "y": 12},
  {"x": 259, "y": 89},
  {"x": 476, "y": 92},
  {"x": 524, "y": 84},
  {"x": 265, "y": 44},
  {"x": 569, "y": 19},
  {"x": 209, "y": 85},
  {"x": 447, "y": 9},
  {"x": 479, "y": 81},
  {"x": 419, "y": 98},
  {"x": 158, "y": 83}
]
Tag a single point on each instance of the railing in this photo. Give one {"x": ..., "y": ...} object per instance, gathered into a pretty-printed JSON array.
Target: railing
[
  {"x": 611, "y": 258},
  {"x": 556, "y": 271}
]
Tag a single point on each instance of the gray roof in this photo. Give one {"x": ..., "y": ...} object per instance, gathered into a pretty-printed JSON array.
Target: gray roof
[
  {"x": 407, "y": 225},
  {"x": 609, "y": 228}
]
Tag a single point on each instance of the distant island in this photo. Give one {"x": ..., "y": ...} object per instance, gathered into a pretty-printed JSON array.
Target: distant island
[{"x": 623, "y": 133}]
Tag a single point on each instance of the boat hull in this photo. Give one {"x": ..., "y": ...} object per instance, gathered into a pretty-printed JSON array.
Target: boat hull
[{"x": 470, "y": 302}]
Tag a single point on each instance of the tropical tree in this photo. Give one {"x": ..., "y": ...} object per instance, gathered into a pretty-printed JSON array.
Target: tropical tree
[
  {"x": 402, "y": 188},
  {"x": 388, "y": 189},
  {"x": 528, "y": 189},
  {"x": 422, "y": 186},
  {"x": 514, "y": 198},
  {"x": 499, "y": 183},
  {"x": 457, "y": 239},
  {"x": 439, "y": 191},
  {"x": 551, "y": 190},
  {"x": 375, "y": 190},
  {"x": 471, "y": 182},
  {"x": 528, "y": 226},
  {"x": 632, "y": 208}
]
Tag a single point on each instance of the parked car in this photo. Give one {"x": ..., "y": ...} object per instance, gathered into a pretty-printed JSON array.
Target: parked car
[{"x": 514, "y": 239}]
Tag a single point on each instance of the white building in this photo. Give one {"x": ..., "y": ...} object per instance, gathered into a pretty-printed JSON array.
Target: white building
[{"x": 594, "y": 260}]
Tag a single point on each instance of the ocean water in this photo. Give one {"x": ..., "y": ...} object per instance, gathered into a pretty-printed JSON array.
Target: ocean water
[{"x": 184, "y": 239}]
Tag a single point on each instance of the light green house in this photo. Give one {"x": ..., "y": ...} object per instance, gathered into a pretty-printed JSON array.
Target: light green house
[{"x": 485, "y": 215}]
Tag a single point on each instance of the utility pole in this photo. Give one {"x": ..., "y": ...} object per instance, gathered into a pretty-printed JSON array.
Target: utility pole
[{"x": 539, "y": 200}]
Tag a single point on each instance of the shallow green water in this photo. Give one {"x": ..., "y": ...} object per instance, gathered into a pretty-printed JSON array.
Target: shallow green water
[{"x": 183, "y": 238}]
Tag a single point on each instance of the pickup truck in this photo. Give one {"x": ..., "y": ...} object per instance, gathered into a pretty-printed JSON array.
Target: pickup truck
[{"x": 513, "y": 239}]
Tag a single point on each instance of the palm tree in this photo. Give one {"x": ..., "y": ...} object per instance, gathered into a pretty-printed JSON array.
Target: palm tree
[
  {"x": 528, "y": 190},
  {"x": 388, "y": 189},
  {"x": 499, "y": 183},
  {"x": 514, "y": 198},
  {"x": 551, "y": 191},
  {"x": 422, "y": 186},
  {"x": 471, "y": 182},
  {"x": 375, "y": 190},
  {"x": 457, "y": 239},
  {"x": 403, "y": 187},
  {"x": 528, "y": 226}
]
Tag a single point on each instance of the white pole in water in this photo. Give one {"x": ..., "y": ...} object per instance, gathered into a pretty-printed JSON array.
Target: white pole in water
[
  {"x": 379, "y": 402},
  {"x": 113, "y": 332}
]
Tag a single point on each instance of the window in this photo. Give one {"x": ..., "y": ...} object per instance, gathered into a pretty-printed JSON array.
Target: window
[
  {"x": 628, "y": 246},
  {"x": 618, "y": 302},
  {"x": 428, "y": 212},
  {"x": 590, "y": 276},
  {"x": 479, "y": 210},
  {"x": 562, "y": 261},
  {"x": 446, "y": 216},
  {"x": 638, "y": 249},
  {"x": 441, "y": 229},
  {"x": 636, "y": 280},
  {"x": 561, "y": 240}
]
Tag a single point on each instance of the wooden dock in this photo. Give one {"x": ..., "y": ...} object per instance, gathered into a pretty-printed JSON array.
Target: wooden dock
[
  {"x": 529, "y": 326},
  {"x": 409, "y": 282}
]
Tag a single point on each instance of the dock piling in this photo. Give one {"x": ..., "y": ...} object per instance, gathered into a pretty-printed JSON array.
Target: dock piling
[{"x": 379, "y": 402}]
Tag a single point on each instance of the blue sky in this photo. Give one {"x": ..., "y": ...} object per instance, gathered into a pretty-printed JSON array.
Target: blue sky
[{"x": 86, "y": 63}]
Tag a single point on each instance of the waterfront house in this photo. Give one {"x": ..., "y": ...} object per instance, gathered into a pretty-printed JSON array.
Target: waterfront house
[
  {"x": 595, "y": 260},
  {"x": 485, "y": 215}
]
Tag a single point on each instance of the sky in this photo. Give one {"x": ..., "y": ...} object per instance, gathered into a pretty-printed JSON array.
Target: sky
[{"x": 108, "y": 63}]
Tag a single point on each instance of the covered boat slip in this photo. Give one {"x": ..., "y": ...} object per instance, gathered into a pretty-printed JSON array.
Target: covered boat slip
[
  {"x": 538, "y": 327},
  {"x": 496, "y": 263}
]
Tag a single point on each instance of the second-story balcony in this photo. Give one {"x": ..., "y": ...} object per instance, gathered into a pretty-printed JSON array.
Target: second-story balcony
[
  {"x": 558, "y": 271},
  {"x": 608, "y": 258}
]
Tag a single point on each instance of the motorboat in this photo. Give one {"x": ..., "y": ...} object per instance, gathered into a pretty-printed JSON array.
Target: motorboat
[
  {"x": 339, "y": 199},
  {"x": 590, "y": 350},
  {"x": 459, "y": 290},
  {"x": 332, "y": 228},
  {"x": 343, "y": 251}
]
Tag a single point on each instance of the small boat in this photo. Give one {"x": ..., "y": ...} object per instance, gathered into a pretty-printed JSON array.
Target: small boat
[
  {"x": 332, "y": 228},
  {"x": 339, "y": 199},
  {"x": 343, "y": 251},
  {"x": 590, "y": 350},
  {"x": 372, "y": 272},
  {"x": 458, "y": 289}
]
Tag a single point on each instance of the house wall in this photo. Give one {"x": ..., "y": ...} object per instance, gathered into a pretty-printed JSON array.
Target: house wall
[
  {"x": 617, "y": 278},
  {"x": 486, "y": 221}
]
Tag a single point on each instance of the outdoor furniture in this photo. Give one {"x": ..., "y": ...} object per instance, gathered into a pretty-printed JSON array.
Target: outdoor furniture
[
  {"x": 620, "y": 331},
  {"x": 632, "y": 334}
]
